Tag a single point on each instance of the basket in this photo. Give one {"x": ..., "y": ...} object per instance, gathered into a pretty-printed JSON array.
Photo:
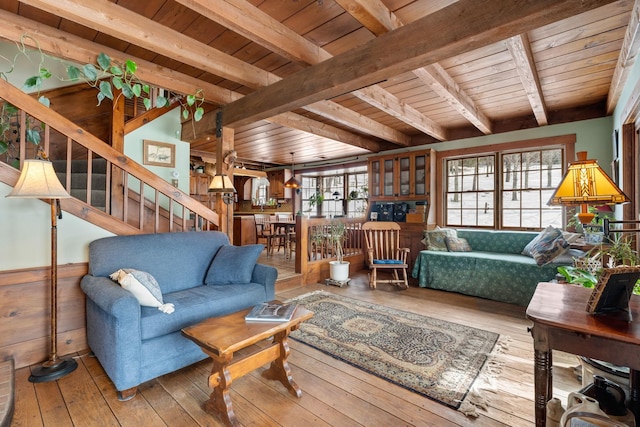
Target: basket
[{"x": 590, "y": 264}]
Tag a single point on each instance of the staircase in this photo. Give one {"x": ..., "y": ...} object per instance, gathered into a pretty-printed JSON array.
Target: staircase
[{"x": 79, "y": 180}]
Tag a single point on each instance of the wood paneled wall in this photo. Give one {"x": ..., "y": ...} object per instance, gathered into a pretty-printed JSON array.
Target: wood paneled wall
[{"x": 25, "y": 312}]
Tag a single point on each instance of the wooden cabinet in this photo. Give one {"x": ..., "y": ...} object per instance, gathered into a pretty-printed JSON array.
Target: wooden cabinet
[
  {"x": 277, "y": 179},
  {"x": 199, "y": 186},
  {"x": 406, "y": 176}
]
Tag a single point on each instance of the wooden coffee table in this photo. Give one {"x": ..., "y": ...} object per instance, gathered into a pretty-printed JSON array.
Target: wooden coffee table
[{"x": 221, "y": 337}]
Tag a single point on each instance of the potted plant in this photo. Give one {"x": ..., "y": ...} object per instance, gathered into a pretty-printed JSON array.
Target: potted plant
[
  {"x": 315, "y": 199},
  {"x": 338, "y": 269}
]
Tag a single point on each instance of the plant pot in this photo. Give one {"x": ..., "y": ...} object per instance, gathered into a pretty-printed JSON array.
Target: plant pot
[{"x": 339, "y": 271}]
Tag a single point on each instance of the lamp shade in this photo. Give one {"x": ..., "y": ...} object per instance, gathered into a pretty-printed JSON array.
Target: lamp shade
[
  {"x": 292, "y": 183},
  {"x": 221, "y": 183},
  {"x": 586, "y": 183},
  {"x": 38, "y": 180}
]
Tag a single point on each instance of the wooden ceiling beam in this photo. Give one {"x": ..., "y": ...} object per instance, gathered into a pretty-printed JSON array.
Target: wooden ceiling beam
[
  {"x": 124, "y": 24},
  {"x": 72, "y": 48},
  {"x": 626, "y": 59},
  {"x": 520, "y": 50},
  {"x": 376, "y": 17},
  {"x": 458, "y": 28},
  {"x": 243, "y": 18}
]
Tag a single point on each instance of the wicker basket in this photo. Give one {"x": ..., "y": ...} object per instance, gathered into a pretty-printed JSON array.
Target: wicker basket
[{"x": 590, "y": 264}]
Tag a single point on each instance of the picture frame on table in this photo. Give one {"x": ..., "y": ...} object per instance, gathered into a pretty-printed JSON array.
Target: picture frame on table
[{"x": 156, "y": 153}]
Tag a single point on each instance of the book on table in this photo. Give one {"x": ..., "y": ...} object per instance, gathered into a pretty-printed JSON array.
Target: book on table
[{"x": 271, "y": 312}]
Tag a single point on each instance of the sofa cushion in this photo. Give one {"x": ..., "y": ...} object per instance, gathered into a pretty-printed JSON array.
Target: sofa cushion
[
  {"x": 458, "y": 244},
  {"x": 144, "y": 288},
  {"x": 546, "y": 246},
  {"x": 435, "y": 240},
  {"x": 199, "y": 303},
  {"x": 177, "y": 260},
  {"x": 499, "y": 241},
  {"x": 233, "y": 264}
]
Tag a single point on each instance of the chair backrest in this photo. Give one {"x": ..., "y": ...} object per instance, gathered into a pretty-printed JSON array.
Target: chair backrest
[
  {"x": 382, "y": 239},
  {"x": 263, "y": 225}
]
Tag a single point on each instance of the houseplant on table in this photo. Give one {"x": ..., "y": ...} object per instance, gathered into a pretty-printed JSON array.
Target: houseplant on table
[{"x": 338, "y": 269}]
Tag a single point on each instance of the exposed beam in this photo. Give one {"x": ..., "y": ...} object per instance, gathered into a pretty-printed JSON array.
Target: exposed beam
[
  {"x": 520, "y": 50},
  {"x": 124, "y": 24},
  {"x": 628, "y": 53},
  {"x": 376, "y": 17},
  {"x": 73, "y": 48},
  {"x": 458, "y": 28},
  {"x": 392, "y": 105},
  {"x": 243, "y": 18}
]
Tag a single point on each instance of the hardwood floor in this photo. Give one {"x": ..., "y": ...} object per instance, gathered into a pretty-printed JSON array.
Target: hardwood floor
[{"x": 334, "y": 393}]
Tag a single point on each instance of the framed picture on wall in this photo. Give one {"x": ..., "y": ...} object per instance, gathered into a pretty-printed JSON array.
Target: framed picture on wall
[{"x": 158, "y": 154}]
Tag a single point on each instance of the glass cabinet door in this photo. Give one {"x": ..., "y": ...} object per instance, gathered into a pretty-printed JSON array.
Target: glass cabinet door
[
  {"x": 375, "y": 178},
  {"x": 419, "y": 177},
  {"x": 405, "y": 176},
  {"x": 388, "y": 178}
]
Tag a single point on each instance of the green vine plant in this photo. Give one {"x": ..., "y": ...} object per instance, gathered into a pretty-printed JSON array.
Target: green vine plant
[{"x": 105, "y": 76}]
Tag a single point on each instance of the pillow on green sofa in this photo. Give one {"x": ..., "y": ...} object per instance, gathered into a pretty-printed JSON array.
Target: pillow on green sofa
[
  {"x": 546, "y": 246},
  {"x": 143, "y": 286},
  {"x": 435, "y": 240},
  {"x": 458, "y": 244},
  {"x": 233, "y": 264}
]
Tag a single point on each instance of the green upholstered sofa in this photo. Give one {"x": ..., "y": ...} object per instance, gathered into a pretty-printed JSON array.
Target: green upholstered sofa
[{"x": 494, "y": 269}]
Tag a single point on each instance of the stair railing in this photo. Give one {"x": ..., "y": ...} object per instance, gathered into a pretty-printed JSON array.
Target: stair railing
[{"x": 143, "y": 201}]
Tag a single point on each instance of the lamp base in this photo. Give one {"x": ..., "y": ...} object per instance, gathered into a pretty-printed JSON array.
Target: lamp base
[{"x": 51, "y": 371}]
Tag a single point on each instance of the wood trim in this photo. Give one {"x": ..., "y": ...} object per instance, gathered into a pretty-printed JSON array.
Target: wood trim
[
  {"x": 629, "y": 164},
  {"x": 24, "y": 331}
]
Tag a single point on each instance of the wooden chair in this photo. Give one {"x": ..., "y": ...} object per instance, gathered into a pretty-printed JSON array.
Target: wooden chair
[{"x": 382, "y": 240}]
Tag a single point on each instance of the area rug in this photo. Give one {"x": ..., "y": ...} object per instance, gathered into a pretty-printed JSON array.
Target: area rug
[{"x": 435, "y": 358}]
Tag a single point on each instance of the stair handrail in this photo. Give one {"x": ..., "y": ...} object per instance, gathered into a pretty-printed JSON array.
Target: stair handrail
[{"x": 27, "y": 103}]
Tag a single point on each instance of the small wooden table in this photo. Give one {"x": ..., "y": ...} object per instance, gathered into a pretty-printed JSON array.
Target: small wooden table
[
  {"x": 561, "y": 322},
  {"x": 221, "y": 337}
]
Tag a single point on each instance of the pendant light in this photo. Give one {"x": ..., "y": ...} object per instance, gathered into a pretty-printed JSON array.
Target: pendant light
[{"x": 292, "y": 182}]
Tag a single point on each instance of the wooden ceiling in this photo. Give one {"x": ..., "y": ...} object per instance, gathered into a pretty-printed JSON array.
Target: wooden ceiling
[{"x": 331, "y": 79}]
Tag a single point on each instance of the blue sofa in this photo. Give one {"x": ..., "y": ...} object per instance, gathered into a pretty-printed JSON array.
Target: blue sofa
[
  {"x": 495, "y": 268},
  {"x": 135, "y": 343}
]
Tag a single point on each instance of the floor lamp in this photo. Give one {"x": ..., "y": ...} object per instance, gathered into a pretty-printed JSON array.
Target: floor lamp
[{"x": 38, "y": 180}]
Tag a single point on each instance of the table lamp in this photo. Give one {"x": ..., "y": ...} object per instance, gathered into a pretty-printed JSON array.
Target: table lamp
[
  {"x": 586, "y": 183},
  {"x": 38, "y": 180}
]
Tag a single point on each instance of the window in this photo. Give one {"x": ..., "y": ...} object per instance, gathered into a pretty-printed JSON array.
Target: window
[
  {"x": 528, "y": 182},
  {"x": 336, "y": 199},
  {"x": 504, "y": 190},
  {"x": 471, "y": 191},
  {"x": 357, "y": 195}
]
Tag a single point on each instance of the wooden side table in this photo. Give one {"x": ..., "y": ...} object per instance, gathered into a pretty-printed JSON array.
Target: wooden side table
[
  {"x": 221, "y": 337},
  {"x": 561, "y": 322}
]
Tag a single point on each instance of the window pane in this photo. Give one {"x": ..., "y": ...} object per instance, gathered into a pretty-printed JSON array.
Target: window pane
[{"x": 525, "y": 181}]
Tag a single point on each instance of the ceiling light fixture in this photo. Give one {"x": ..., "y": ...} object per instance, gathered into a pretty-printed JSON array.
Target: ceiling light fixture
[{"x": 292, "y": 182}]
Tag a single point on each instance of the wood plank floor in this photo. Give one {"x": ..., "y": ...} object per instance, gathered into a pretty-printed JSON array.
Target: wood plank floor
[{"x": 334, "y": 393}]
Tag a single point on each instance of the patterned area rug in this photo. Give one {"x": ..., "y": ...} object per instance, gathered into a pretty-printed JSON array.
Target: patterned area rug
[{"x": 435, "y": 358}]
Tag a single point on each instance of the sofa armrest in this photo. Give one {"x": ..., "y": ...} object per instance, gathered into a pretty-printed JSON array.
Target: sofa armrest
[
  {"x": 111, "y": 298},
  {"x": 113, "y": 330},
  {"x": 265, "y": 275}
]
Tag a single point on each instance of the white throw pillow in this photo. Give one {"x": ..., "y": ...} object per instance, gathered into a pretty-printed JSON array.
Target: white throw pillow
[{"x": 144, "y": 288}]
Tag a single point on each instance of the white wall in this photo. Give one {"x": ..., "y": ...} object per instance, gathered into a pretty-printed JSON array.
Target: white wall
[
  {"x": 25, "y": 224},
  {"x": 29, "y": 65},
  {"x": 165, "y": 129}
]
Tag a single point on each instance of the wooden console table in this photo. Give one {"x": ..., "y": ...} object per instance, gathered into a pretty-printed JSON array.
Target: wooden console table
[
  {"x": 221, "y": 337},
  {"x": 561, "y": 322}
]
